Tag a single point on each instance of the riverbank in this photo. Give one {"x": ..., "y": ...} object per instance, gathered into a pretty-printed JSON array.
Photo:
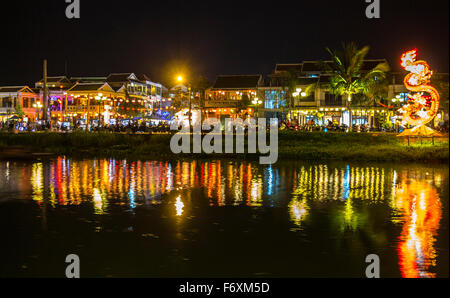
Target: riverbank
[{"x": 292, "y": 145}]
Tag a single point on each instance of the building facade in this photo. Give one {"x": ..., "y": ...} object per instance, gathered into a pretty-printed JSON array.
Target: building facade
[
  {"x": 233, "y": 96},
  {"x": 19, "y": 99}
]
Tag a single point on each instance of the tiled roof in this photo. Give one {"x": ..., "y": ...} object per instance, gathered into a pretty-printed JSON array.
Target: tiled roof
[
  {"x": 297, "y": 67},
  {"x": 88, "y": 79},
  {"x": 143, "y": 77},
  {"x": 55, "y": 79},
  {"x": 87, "y": 87},
  {"x": 14, "y": 89},
  {"x": 116, "y": 86},
  {"x": 314, "y": 66},
  {"x": 237, "y": 81},
  {"x": 317, "y": 66},
  {"x": 118, "y": 77}
]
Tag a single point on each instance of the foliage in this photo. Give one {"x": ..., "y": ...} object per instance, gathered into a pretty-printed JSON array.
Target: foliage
[
  {"x": 348, "y": 77},
  {"x": 19, "y": 111},
  {"x": 244, "y": 102},
  {"x": 292, "y": 145}
]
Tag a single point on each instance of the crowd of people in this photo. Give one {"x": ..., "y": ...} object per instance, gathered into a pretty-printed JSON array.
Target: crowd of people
[
  {"x": 164, "y": 127},
  {"x": 128, "y": 127},
  {"x": 335, "y": 126}
]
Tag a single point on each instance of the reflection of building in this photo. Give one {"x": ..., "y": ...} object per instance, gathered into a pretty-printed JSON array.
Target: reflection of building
[{"x": 232, "y": 94}]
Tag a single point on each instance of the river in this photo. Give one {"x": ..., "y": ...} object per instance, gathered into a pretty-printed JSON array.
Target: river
[{"x": 222, "y": 218}]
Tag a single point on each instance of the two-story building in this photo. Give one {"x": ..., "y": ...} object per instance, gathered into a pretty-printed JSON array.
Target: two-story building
[
  {"x": 57, "y": 87},
  {"x": 312, "y": 97},
  {"x": 19, "y": 98},
  {"x": 233, "y": 96}
]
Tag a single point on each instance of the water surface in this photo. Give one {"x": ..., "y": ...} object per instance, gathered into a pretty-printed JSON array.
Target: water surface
[{"x": 222, "y": 218}]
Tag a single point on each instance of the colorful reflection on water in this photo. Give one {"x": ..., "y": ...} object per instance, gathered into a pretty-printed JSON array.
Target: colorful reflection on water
[
  {"x": 347, "y": 193},
  {"x": 418, "y": 202}
]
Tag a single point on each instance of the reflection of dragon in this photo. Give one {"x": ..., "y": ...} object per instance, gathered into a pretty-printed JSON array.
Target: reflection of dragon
[{"x": 420, "y": 109}]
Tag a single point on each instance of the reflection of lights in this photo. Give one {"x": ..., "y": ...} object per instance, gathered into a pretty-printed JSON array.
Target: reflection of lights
[
  {"x": 98, "y": 201},
  {"x": 179, "y": 206},
  {"x": 37, "y": 179},
  {"x": 298, "y": 211},
  {"x": 256, "y": 191},
  {"x": 421, "y": 211},
  {"x": 346, "y": 183},
  {"x": 349, "y": 215}
]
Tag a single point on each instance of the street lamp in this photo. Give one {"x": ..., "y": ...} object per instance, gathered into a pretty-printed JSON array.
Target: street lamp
[
  {"x": 37, "y": 106},
  {"x": 256, "y": 102},
  {"x": 180, "y": 79}
]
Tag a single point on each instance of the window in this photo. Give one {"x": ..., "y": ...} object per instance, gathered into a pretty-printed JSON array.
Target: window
[
  {"x": 274, "y": 99},
  {"x": 332, "y": 99},
  {"x": 25, "y": 102}
]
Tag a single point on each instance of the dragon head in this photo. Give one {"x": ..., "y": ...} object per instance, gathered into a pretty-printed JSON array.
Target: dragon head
[{"x": 408, "y": 58}]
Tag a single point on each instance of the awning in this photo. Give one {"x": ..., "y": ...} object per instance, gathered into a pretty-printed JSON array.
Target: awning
[{"x": 420, "y": 131}]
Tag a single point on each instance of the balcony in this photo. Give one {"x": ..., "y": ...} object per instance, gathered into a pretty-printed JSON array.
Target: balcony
[
  {"x": 221, "y": 103},
  {"x": 6, "y": 111}
]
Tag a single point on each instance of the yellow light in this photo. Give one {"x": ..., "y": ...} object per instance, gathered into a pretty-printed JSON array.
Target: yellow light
[
  {"x": 180, "y": 78},
  {"x": 179, "y": 206},
  {"x": 418, "y": 80}
]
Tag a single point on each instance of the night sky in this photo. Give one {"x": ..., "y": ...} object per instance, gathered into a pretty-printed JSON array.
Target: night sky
[{"x": 163, "y": 38}]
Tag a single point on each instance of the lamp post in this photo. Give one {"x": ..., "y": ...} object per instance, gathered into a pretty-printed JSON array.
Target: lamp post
[
  {"x": 298, "y": 92},
  {"x": 65, "y": 106},
  {"x": 256, "y": 102},
  {"x": 98, "y": 98},
  {"x": 180, "y": 79},
  {"x": 37, "y": 106}
]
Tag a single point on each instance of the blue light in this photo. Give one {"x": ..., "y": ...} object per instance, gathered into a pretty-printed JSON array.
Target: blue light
[{"x": 346, "y": 184}]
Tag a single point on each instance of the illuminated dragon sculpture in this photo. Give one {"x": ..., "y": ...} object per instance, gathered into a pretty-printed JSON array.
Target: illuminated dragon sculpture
[{"x": 420, "y": 108}]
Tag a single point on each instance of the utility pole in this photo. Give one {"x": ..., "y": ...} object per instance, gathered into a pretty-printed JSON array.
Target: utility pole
[
  {"x": 190, "y": 107},
  {"x": 45, "y": 95},
  {"x": 88, "y": 110}
]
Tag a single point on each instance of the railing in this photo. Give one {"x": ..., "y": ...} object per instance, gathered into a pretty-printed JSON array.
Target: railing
[
  {"x": 221, "y": 103},
  {"x": 83, "y": 108}
]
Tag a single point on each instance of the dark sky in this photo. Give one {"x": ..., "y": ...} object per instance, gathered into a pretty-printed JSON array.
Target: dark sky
[{"x": 162, "y": 38}]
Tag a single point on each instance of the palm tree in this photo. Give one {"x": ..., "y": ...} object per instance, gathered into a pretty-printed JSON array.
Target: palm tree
[
  {"x": 289, "y": 84},
  {"x": 348, "y": 77}
]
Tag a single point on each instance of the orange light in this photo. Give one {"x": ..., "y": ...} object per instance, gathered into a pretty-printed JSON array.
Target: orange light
[{"x": 419, "y": 109}]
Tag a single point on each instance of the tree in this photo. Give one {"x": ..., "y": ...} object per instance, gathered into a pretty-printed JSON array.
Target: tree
[
  {"x": 348, "y": 77},
  {"x": 244, "y": 102},
  {"x": 19, "y": 111},
  {"x": 289, "y": 84}
]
